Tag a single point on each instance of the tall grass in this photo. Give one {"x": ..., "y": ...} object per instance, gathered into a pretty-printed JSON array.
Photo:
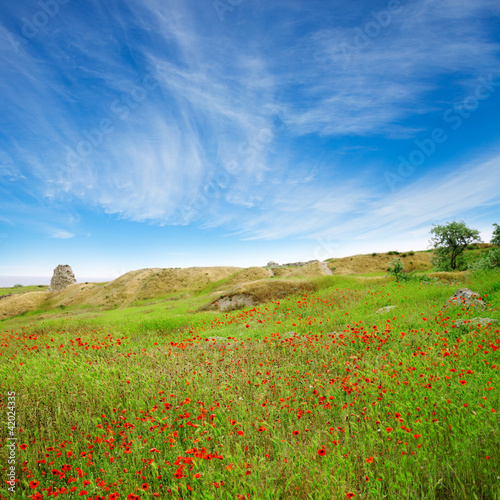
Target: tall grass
[{"x": 314, "y": 396}]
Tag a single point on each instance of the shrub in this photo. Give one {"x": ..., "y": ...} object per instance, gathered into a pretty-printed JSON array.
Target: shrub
[
  {"x": 374, "y": 254},
  {"x": 396, "y": 268},
  {"x": 490, "y": 260},
  {"x": 17, "y": 285},
  {"x": 411, "y": 252}
]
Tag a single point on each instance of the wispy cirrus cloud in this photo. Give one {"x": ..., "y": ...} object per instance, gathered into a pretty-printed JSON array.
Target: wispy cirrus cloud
[
  {"x": 460, "y": 193},
  {"x": 214, "y": 108},
  {"x": 356, "y": 84}
]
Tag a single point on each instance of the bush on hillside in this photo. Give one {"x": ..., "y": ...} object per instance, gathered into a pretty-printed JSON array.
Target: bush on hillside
[
  {"x": 490, "y": 260},
  {"x": 396, "y": 269}
]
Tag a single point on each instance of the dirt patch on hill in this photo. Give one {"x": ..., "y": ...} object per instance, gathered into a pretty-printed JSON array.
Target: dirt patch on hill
[
  {"x": 230, "y": 303},
  {"x": 22, "y": 303},
  {"x": 360, "y": 264},
  {"x": 250, "y": 274},
  {"x": 250, "y": 294},
  {"x": 449, "y": 276},
  {"x": 165, "y": 281},
  {"x": 310, "y": 270}
]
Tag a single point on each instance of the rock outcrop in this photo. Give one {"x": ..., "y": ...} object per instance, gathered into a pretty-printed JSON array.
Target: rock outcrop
[
  {"x": 483, "y": 322},
  {"x": 63, "y": 276},
  {"x": 273, "y": 264},
  {"x": 466, "y": 297},
  {"x": 384, "y": 309}
]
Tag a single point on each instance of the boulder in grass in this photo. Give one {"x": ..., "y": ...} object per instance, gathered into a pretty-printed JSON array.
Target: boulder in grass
[
  {"x": 466, "y": 297},
  {"x": 384, "y": 309},
  {"x": 483, "y": 322},
  {"x": 63, "y": 276}
]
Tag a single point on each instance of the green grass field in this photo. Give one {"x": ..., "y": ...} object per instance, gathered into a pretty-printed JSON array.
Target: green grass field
[
  {"x": 23, "y": 289},
  {"x": 315, "y": 396}
]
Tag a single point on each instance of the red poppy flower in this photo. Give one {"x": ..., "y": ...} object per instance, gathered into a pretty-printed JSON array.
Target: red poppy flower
[
  {"x": 388, "y": 429},
  {"x": 295, "y": 433},
  {"x": 34, "y": 484},
  {"x": 322, "y": 452},
  {"x": 369, "y": 460},
  {"x": 350, "y": 495},
  {"x": 23, "y": 446}
]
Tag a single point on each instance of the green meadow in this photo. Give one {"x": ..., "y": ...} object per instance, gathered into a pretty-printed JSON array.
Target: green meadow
[{"x": 320, "y": 395}]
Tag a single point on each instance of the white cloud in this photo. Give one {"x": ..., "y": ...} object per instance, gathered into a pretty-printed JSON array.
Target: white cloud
[
  {"x": 428, "y": 201},
  {"x": 62, "y": 235}
]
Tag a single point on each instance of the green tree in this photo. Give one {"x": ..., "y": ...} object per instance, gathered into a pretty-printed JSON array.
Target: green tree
[
  {"x": 449, "y": 241},
  {"x": 495, "y": 239}
]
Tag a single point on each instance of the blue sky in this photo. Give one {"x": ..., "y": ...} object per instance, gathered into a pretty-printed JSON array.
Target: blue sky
[{"x": 152, "y": 133}]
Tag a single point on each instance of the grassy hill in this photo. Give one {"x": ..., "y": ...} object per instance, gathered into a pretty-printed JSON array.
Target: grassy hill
[
  {"x": 332, "y": 386},
  {"x": 207, "y": 285}
]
